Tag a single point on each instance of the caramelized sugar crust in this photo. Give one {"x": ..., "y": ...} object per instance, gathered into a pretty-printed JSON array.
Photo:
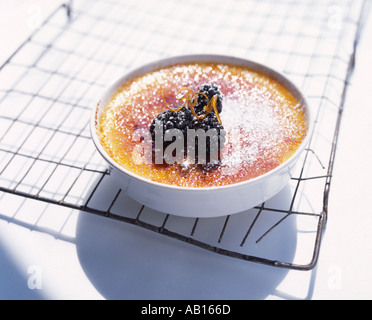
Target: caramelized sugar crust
[{"x": 264, "y": 123}]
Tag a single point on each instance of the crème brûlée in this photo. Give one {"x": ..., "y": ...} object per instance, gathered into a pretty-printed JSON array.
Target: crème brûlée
[{"x": 263, "y": 121}]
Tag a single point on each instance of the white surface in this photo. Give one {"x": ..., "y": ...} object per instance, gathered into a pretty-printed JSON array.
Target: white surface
[
  {"x": 90, "y": 257},
  {"x": 18, "y": 18}
]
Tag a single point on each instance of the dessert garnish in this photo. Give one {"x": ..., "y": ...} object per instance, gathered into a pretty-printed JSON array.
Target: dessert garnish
[
  {"x": 207, "y": 92},
  {"x": 201, "y": 103},
  {"x": 199, "y": 111}
]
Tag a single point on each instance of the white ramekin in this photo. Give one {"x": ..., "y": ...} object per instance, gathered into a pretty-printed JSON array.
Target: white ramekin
[{"x": 202, "y": 202}]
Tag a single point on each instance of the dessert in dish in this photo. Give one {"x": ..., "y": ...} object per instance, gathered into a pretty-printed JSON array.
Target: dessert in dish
[{"x": 258, "y": 122}]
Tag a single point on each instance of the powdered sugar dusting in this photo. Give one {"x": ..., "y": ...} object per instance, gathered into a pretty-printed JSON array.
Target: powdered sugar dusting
[{"x": 252, "y": 128}]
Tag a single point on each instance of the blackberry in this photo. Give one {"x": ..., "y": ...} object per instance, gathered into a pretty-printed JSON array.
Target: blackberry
[
  {"x": 214, "y": 139},
  {"x": 188, "y": 125},
  {"x": 209, "y": 122},
  {"x": 210, "y": 90},
  {"x": 172, "y": 120}
]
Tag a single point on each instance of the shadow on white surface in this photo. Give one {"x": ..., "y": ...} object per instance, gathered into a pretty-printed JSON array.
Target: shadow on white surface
[
  {"x": 14, "y": 282},
  {"x": 124, "y": 261}
]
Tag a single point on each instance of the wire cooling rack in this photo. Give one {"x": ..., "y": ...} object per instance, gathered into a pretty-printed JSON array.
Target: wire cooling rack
[{"x": 49, "y": 85}]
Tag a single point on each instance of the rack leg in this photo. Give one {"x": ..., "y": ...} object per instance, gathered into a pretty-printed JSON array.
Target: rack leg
[{"x": 68, "y": 7}]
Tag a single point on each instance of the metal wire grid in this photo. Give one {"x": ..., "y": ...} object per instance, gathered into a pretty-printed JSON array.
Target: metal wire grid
[{"x": 49, "y": 86}]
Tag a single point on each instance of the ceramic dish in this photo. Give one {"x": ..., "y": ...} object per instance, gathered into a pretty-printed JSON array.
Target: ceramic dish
[{"x": 207, "y": 201}]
